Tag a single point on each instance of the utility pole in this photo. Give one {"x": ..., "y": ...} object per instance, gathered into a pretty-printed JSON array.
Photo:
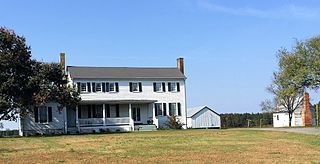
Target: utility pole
[
  {"x": 261, "y": 123},
  {"x": 248, "y": 123}
]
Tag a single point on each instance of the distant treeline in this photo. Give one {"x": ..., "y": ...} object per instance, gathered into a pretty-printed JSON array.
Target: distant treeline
[{"x": 236, "y": 120}]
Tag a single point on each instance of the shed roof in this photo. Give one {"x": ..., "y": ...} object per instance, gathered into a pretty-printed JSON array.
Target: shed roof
[
  {"x": 124, "y": 72},
  {"x": 194, "y": 110}
]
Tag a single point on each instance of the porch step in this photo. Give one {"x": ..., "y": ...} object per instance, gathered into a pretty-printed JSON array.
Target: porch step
[{"x": 145, "y": 128}]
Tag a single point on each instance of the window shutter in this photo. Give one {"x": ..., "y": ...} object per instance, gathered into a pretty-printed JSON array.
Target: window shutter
[
  {"x": 107, "y": 87},
  {"x": 164, "y": 87},
  {"x": 89, "y": 87},
  {"x": 50, "y": 114},
  {"x": 78, "y": 86},
  {"x": 117, "y": 87},
  {"x": 89, "y": 111},
  {"x": 154, "y": 87},
  {"x": 108, "y": 110},
  {"x": 179, "y": 109},
  {"x": 93, "y": 111},
  {"x": 117, "y": 111},
  {"x": 79, "y": 111},
  {"x": 178, "y": 87},
  {"x": 164, "y": 109},
  {"x": 169, "y": 87},
  {"x": 130, "y": 86},
  {"x": 103, "y": 87},
  {"x": 140, "y": 87},
  {"x": 93, "y": 87},
  {"x": 36, "y": 114},
  {"x": 155, "y": 109}
]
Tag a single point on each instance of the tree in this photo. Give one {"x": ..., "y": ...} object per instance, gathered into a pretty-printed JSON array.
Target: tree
[
  {"x": 26, "y": 82},
  {"x": 15, "y": 72},
  {"x": 1, "y": 125}
]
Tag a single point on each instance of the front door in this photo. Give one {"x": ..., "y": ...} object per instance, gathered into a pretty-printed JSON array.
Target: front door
[{"x": 136, "y": 114}]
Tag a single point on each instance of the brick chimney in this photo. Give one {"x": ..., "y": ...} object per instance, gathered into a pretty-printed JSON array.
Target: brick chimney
[
  {"x": 63, "y": 61},
  {"x": 180, "y": 65},
  {"x": 306, "y": 113}
]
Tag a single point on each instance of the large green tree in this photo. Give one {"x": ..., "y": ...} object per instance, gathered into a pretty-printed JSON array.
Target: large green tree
[
  {"x": 25, "y": 82},
  {"x": 299, "y": 69},
  {"x": 15, "y": 73}
]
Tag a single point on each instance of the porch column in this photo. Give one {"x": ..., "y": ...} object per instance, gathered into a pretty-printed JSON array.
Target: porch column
[
  {"x": 130, "y": 117},
  {"x": 77, "y": 121},
  {"x": 104, "y": 114},
  {"x": 154, "y": 119}
]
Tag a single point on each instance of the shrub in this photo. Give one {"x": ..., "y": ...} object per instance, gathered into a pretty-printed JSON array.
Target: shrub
[{"x": 174, "y": 123}]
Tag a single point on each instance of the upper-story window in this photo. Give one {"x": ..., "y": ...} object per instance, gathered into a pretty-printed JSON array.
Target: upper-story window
[
  {"x": 112, "y": 87},
  {"x": 98, "y": 87},
  {"x": 83, "y": 87},
  {"x": 174, "y": 87},
  {"x": 135, "y": 86},
  {"x": 159, "y": 87}
]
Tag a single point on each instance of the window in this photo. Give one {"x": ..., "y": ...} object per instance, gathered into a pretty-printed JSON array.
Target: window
[
  {"x": 159, "y": 87},
  {"x": 135, "y": 87},
  {"x": 111, "y": 87},
  {"x": 179, "y": 109},
  {"x": 43, "y": 114},
  {"x": 98, "y": 87},
  {"x": 174, "y": 87},
  {"x": 277, "y": 117},
  {"x": 172, "y": 109},
  {"x": 158, "y": 109},
  {"x": 83, "y": 87}
]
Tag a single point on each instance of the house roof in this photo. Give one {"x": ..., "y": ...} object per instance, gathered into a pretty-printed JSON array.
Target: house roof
[
  {"x": 124, "y": 72},
  {"x": 194, "y": 110}
]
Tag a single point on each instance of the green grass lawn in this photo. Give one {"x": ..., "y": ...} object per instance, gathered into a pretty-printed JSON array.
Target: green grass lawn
[{"x": 184, "y": 146}]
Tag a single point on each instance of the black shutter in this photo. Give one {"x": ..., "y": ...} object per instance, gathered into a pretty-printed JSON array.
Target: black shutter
[
  {"x": 164, "y": 109},
  {"x": 178, "y": 87},
  {"x": 103, "y": 87},
  {"x": 36, "y": 114},
  {"x": 164, "y": 87},
  {"x": 117, "y": 111},
  {"x": 89, "y": 87},
  {"x": 78, "y": 87},
  {"x": 79, "y": 111},
  {"x": 169, "y": 87},
  {"x": 130, "y": 86},
  {"x": 179, "y": 109},
  {"x": 93, "y": 111},
  {"x": 108, "y": 110},
  {"x": 89, "y": 111},
  {"x": 50, "y": 114},
  {"x": 154, "y": 87},
  {"x": 140, "y": 87},
  {"x": 155, "y": 110},
  {"x": 93, "y": 87},
  {"x": 107, "y": 87},
  {"x": 117, "y": 87}
]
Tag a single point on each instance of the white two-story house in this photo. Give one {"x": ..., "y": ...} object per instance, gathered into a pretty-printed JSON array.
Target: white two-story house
[{"x": 115, "y": 99}]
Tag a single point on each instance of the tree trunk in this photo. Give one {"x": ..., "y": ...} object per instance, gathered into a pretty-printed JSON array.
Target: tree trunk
[{"x": 290, "y": 118}]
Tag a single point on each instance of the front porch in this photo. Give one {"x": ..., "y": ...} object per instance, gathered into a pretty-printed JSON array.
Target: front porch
[{"x": 111, "y": 116}]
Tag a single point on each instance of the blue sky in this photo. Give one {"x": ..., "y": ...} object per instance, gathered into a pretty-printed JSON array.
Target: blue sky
[{"x": 229, "y": 46}]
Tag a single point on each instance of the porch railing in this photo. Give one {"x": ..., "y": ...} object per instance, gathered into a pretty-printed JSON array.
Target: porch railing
[
  {"x": 108, "y": 121},
  {"x": 117, "y": 121},
  {"x": 91, "y": 122}
]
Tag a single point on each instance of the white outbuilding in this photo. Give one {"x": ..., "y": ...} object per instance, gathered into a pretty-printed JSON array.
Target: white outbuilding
[{"x": 203, "y": 117}]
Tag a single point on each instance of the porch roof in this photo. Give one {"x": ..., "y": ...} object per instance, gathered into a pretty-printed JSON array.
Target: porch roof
[{"x": 124, "y": 101}]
